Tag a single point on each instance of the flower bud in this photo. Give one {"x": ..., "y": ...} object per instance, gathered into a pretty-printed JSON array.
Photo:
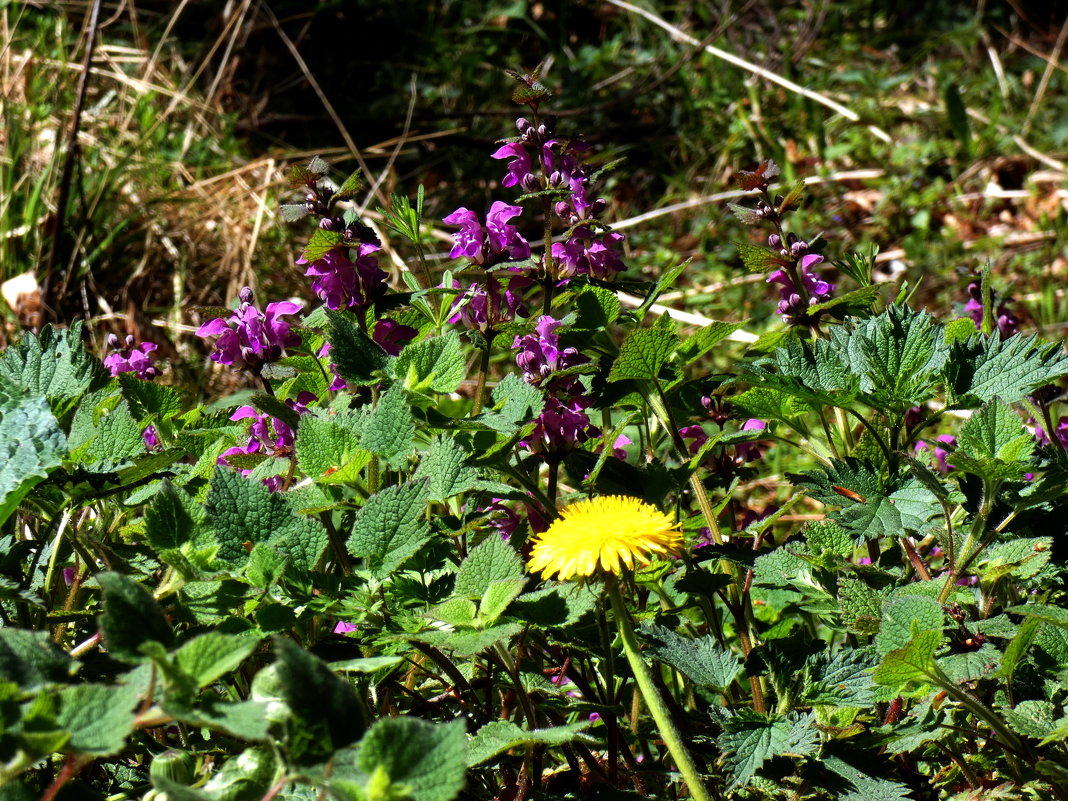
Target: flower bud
[
  {"x": 130, "y": 341},
  {"x": 246, "y": 295},
  {"x": 775, "y": 242},
  {"x": 174, "y": 766},
  {"x": 598, "y": 206},
  {"x": 310, "y": 197},
  {"x": 530, "y": 183},
  {"x": 798, "y": 248},
  {"x": 113, "y": 340},
  {"x": 556, "y": 178},
  {"x": 523, "y": 125}
]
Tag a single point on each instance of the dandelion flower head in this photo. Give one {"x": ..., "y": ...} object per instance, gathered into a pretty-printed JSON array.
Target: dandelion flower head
[{"x": 607, "y": 533}]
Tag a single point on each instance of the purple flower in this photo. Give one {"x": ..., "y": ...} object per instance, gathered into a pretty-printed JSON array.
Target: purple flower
[
  {"x": 696, "y": 437},
  {"x": 497, "y": 241},
  {"x": 790, "y": 302},
  {"x": 539, "y": 356},
  {"x": 560, "y": 427},
  {"x": 1007, "y": 323},
  {"x": 268, "y": 436},
  {"x": 249, "y": 338},
  {"x": 519, "y": 167},
  {"x": 345, "y": 628},
  {"x": 131, "y": 358},
  {"x": 940, "y": 453},
  {"x": 751, "y": 451},
  {"x": 392, "y": 336},
  {"x": 151, "y": 438},
  {"x": 583, "y": 254},
  {"x": 342, "y": 283},
  {"x": 1061, "y": 433},
  {"x": 485, "y": 306}
]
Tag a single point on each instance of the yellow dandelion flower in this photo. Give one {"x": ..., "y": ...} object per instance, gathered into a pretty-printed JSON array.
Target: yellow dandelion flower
[{"x": 611, "y": 532}]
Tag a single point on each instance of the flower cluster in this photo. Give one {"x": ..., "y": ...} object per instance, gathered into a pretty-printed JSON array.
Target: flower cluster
[
  {"x": 793, "y": 300},
  {"x": 249, "y": 338},
  {"x": 268, "y": 436},
  {"x": 341, "y": 282},
  {"x": 563, "y": 423},
  {"x": 1006, "y": 322},
  {"x": 491, "y": 244},
  {"x": 499, "y": 300},
  {"x": 131, "y": 358},
  {"x": 940, "y": 449}
]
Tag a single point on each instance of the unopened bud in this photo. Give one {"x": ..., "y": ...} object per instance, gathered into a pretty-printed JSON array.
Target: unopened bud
[
  {"x": 556, "y": 178},
  {"x": 245, "y": 295},
  {"x": 530, "y": 183},
  {"x": 598, "y": 206},
  {"x": 798, "y": 248},
  {"x": 562, "y": 208},
  {"x": 130, "y": 340},
  {"x": 113, "y": 340},
  {"x": 523, "y": 125},
  {"x": 774, "y": 241},
  {"x": 310, "y": 197},
  {"x": 326, "y": 223}
]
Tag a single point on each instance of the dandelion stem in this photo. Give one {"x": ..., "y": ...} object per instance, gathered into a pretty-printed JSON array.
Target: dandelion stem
[{"x": 643, "y": 677}]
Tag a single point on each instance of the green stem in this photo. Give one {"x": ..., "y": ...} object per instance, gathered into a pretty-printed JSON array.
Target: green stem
[
  {"x": 643, "y": 677},
  {"x": 483, "y": 371}
]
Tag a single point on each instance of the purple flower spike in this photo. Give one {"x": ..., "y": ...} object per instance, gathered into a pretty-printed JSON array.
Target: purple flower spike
[
  {"x": 790, "y": 303},
  {"x": 539, "y": 355},
  {"x": 751, "y": 451},
  {"x": 342, "y": 283},
  {"x": 519, "y": 167},
  {"x": 392, "y": 336},
  {"x": 131, "y": 358},
  {"x": 498, "y": 241},
  {"x": 561, "y": 427},
  {"x": 485, "y": 306},
  {"x": 248, "y": 339}
]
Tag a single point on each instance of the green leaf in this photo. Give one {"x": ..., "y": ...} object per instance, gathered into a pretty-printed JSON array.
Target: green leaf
[
  {"x": 53, "y": 365},
  {"x": 813, "y": 372},
  {"x": 643, "y": 353},
  {"x": 957, "y": 114},
  {"x": 31, "y": 660},
  {"x": 321, "y": 242},
  {"x": 745, "y": 215},
  {"x": 768, "y": 403},
  {"x": 172, "y": 518},
  {"x": 1032, "y": 718},
  {"x": 103, "y": 433},
  {"x": 270, "y": 405},
  {"x": 901, "y": 614},
  {"x": 984, "y": 368},
  {"x": 514, "y": 403},
  {"x": 503, "y": 735},
  {"x": 328, "y": 451},
  {"x": 241, "y": 510},
  {"x": 700, "y": 659},
  {"x": 437, "y": 364},
  {"x": 704, "y": 339},
  {"x": 860, "y": 606},
  {"x": 31, "y": 444},
  {"x": 865, "y": 787},
  {"x": 912, "y": 662},
  {"x": 843, "y": 679},
  {"x": 759, "y": 259},
  {"x": 1057, "y": 615},
  {"x": 826, "y": 536},
  {"x": 210, "y": 656},
  {"x": 357, "y": 358},
  {"x": 666, "y": 280},
  {"x": 131, "y": 618},
  {"x": 898, "y": 355},
  {"x": 246, "y": 720},
  {"x": 1020, "y": 558},
  {"x": 348, "y": 189},
  {"x": 327, "y": 712},
  {"x": 597, "y": 308},
  {"x": 98, "y": 717},
  {"x": 470, "y": 643},
  {"x": 497, "y": 597},
  {"x": 388, "y": 430},
  {"x": 749, "y": 740},
  {"x": 492, "y": 560},
  {"x": 423, "y": 761},
  {"x": 993, "y": 444},
  {"x": 445, "y": 465},
  {"x": 391, "y": 527}
]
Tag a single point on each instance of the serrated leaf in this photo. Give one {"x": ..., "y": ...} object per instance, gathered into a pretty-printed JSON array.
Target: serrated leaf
[
  {"x": 597, "y": 308},
  {"x": 329, "y": 714},
  {"x": 355, "y": 355},
  {"x": 470, "y": 643},
  {"x": 455, "y": 612},
  {"x": 643, "y": 353},
  {"x": 98, "y": 717},
  {"x": 53, "y": 365},
  {"x": 31, "y": 660},
  {"x": 666, "y": 280},
  {"x": 348, "y": 189},
  {"x": 503, "y": 735},
  {"x": 291, "y": 212},
  {"x": 131, "y": 618},
  {"x": 993, "y": 444},
  {"x": 824, "y": 535},
  {"x": 759, "y": 259},
  {"x": 843, "y": 679},
  {"x": 865, "y": 787},
  {"x": 246, "y": 720},
  {"x": 856, "y": 302},
  {"x": 172, "y": 518},
  {"x": 913, "y": 661},
  {"x": 328, "y": 451},
  {"x": 149, "y": 398},
  {"x": 270, "y": 405},
  {"x": 745, "y": 215},
  {"x": 104, "y": 434},
  {"x": 897, "y": 354},
  {"x": 31, "y": 445},
  {"x": 492, "y": 560},
  {"x": 514, "y": 403},
  {"x": 1056, "y": 615},
  {"x": 497, "y": 597},
  {"x": 812, "y": 372},
  {"x": 700, "y": 659},
  {"x": 445, "y": 465},
  {"x": 767, "y": 403},
  {"x": 704, "y": 339},
  {"x": 436, "y": 364},
  {"x": 428, "y": 760},
  {"x": 1021, "y": 558},
  {"x": 389, "y": 430},
  {"x": 241, "y": 510},
  {"x": 749, "y": 740},
  {"x": 984, "y": 368},
  {"x": 860, "y": 606},
  {"x": 391, "y": 527},
  {"x": 1032, "y": 718},
  {"x": 901, "y": 614},
  {"x": 321, "y": 243},
  {"x": 793, "y": 197},
  {"x": 212, "y": 655}
]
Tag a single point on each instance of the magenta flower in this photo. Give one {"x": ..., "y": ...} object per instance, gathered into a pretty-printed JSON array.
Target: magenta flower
[
  {"x": 1006, "y": 322},
  {"x": 583, "y": 254},
  {"x": 268, "y": 436},
  {"x": 751, "y": 451},
  {"x": 392, "y": 336},
  {"x": 342, "y": 283},
  {"x": 518, "y": 168},
  {"x": 939, "y": 452},
  {"x": 151, "y": 438},
  {"x": 249, "y": 338},
  {"x": 131, "y": 358},
  {"x": 345, "y": 628},
  {"x": 561, "y": 427},
  {"x": 1061, "y": 433},
  {"x": 790, "y": 302},
  {"x": 496, "y": 242},
  {"x": 695, "y": 437},
  {"x": 485, "y": 306}
]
